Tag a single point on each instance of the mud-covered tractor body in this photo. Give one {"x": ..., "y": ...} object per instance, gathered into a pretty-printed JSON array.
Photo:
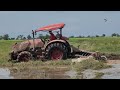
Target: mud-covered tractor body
[
  {"x": 56, "y": 49},
  {"x": 38, "y": 49},
  {"x": 26, "y": 46}
]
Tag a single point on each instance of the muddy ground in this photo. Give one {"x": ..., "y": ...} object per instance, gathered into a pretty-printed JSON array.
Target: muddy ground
[
  {"x": 65, "y": 73},
  {"x": 62, "y": 73},
  {"x": 110, "y": 73},
  {"x": 41, "y": 74}
]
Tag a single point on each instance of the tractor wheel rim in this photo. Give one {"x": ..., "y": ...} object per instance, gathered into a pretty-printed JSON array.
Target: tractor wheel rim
[{"x": 56, "y": 54}]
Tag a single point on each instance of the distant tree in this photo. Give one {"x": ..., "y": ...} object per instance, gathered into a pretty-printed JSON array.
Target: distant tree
[
  {"x": 1, "y": 37},
  {"x": 103, "y": 35},
  {"x": 88, "y": 36},
  {"x": 114, "y": 34},
  {"x": 92, "y": 36},
  {"x": 83, "y": 36},
  {"x": 24, "y": 38},
  {"x": 71, "y": 36},
  {"x": 117, "y": 35},
  {"x": 29, "y": 37},
  {"x": 12, "y": 38},
  {"x": 6, "y": 37},
  {"x": 19, "y": 37},
  {"x": 79, "y": 36},
  {"x": 97, "y": 35}
]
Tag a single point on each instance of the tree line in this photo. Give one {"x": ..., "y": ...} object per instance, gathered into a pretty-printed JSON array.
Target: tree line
[
  {"x": 22, "y": 37},
  {"x": 103, "y": 35}
]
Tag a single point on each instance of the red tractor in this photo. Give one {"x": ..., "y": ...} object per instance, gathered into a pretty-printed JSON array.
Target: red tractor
[{"x": 56, "y": 48}]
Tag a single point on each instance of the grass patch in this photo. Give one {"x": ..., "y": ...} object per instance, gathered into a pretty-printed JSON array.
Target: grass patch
[
  {"x": 5, "y": 48},
  {"x": 90, "y": 64},
  {"x": 102, "y": 44},
  {"x": 39, "y": 65},
  {"x": 61, "y": 62},
  {"x": 98, "y": 75},
  {"x": 39, "y": 69},
  {"x": 108, "y": 45}
]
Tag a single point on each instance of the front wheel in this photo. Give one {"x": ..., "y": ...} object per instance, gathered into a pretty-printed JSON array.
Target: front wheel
[{"x": 24, "y": 56}]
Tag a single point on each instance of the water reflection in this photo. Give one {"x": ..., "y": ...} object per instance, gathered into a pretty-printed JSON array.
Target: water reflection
[{"x": 5, "y": 73}]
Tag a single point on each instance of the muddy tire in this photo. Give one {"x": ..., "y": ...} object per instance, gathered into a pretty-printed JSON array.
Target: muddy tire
[
  {"x": 12, "y": 56},
  {"x": 24, "y": 56},
  {"x": 56, "y": 51}
]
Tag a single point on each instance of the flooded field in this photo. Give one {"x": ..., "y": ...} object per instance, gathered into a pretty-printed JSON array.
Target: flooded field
[
  {"x": 5, "y": 74},
  {"x": 111, "y": 73},
  {"x": 60, "y": 73}
]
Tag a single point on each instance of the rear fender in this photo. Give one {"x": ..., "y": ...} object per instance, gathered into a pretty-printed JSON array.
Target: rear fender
[{"x": 59, "y": 41}]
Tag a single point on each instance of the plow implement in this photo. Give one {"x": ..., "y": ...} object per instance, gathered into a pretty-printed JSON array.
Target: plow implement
[{"x": 82, "y": 53}]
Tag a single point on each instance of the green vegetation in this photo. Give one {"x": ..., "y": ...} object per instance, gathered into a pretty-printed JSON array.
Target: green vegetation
[
  {"x": 102, "y": 44},
  {"x": 39, "y": 69},
  {"x": 5, "y": 48},
  {"x": 109, "y": 45},
  {"x": 90, "y": 64}
]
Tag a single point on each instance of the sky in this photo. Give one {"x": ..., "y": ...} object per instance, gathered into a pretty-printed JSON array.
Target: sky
[{"x": 77, "y": 23}]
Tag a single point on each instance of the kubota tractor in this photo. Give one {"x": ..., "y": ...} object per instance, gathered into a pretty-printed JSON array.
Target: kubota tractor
[{"x": 56, "y": 48}]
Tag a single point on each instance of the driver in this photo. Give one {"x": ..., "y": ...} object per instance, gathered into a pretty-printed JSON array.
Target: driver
[
  {"x": 58, "y": 36},
  {"x": 52, "y": 36}
]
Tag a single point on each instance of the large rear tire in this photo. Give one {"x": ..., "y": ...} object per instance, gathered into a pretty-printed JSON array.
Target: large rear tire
[{"x": 56, "y": 51}]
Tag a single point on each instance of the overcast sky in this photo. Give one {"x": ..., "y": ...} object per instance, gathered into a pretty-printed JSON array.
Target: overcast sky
[{"x": 77, "y": 23}]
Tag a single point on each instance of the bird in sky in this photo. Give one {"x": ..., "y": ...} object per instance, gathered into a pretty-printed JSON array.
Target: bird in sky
[{"x": 105, "y": 20}]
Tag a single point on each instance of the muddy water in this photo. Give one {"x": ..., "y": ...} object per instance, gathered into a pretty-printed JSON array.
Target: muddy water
[
  {"x": 5, "y": 73},
  {"x": 59, "y": 74},
  {"x": 109, "y": 73},
  {"x": 42, "y": 74},
  {"x": 56, "y": 75},
  {"x": 71, "y": 73}
]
